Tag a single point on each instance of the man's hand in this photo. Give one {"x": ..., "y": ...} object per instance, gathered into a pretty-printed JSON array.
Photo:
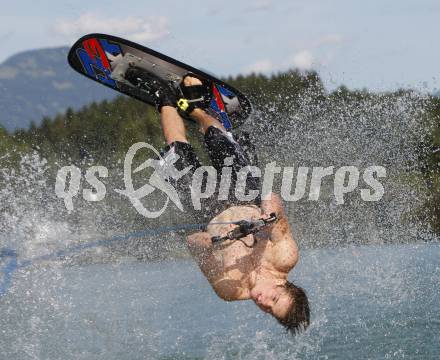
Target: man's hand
[{"x": 272, "y": 204}]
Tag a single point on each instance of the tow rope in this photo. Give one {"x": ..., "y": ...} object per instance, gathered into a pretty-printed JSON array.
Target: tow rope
[{"x": 9, "y": 261}]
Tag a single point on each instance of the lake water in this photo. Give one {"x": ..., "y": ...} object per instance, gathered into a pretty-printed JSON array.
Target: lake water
[{"x": 367, "y": 303}]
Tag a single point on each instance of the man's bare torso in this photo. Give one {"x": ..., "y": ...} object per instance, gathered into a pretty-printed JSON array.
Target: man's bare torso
[{"x": 232, "y": 266}]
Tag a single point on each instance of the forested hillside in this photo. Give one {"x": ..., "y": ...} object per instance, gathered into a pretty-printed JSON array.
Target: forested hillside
[{"x": 295, "y": 120}]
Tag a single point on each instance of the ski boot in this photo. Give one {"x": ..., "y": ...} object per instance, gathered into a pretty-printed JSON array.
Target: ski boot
[
  {"x": 194, "y": 96},
  {"x": 162, "y": 92}
]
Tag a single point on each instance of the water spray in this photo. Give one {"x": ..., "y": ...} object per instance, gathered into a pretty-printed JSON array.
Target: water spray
[{"x": 9, "y": 262}]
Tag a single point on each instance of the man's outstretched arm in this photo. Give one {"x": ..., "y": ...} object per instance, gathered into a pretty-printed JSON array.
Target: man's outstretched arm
[
  {"x": 285, "y": 249},
  {"x": 273, "y": 204}
]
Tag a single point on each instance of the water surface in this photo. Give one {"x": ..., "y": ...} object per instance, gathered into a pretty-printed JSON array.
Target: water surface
[{"x": 367, "y": 303}]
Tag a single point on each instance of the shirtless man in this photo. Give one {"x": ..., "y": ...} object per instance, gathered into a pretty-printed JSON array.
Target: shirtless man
[{"x": 236, "y": 270}]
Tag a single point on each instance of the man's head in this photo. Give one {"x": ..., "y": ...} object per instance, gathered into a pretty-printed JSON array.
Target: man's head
[{"x": 286, "y": 302}]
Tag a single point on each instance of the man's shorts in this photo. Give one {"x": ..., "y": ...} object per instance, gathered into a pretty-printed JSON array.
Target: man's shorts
[{"x": 225, "y": 152}]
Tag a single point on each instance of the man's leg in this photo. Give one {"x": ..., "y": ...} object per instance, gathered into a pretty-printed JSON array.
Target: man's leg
[
  {"x": 222, "y": 145},
  {"x": 174, "y": 132},
  {"x": 173, "y": 127}
]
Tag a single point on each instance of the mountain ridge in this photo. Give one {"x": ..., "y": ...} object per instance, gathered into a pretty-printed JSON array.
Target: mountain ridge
[{"x": 38, "y": 83}]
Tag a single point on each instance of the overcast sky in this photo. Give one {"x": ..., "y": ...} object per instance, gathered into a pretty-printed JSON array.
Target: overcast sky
[{"x": 377, "y": 44}]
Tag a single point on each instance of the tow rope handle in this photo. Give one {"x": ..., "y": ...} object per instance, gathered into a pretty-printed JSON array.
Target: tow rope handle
[{"x": 245, "y": 228}]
